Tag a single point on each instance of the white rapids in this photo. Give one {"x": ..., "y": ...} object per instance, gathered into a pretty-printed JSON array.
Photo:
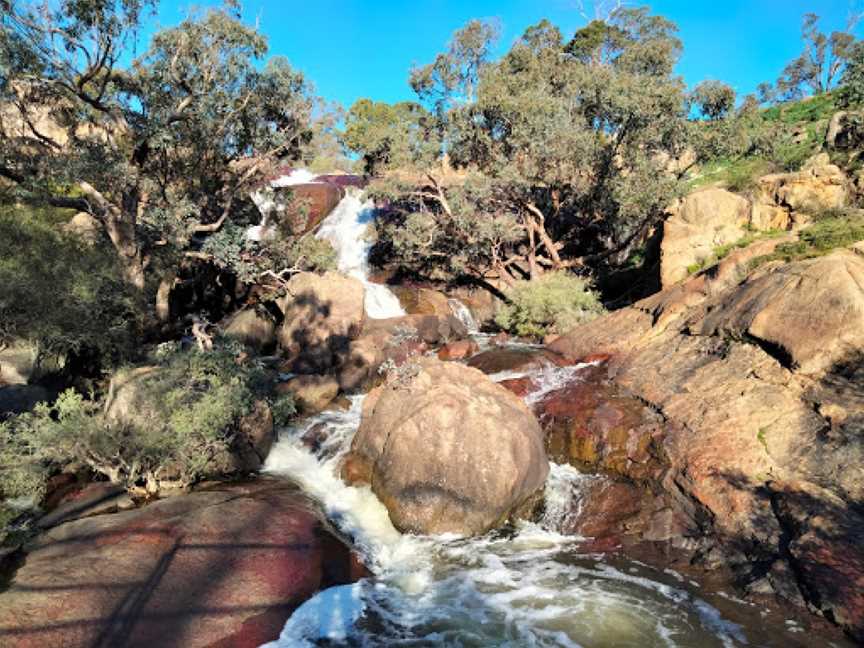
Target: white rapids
[{"x": 527, "y": 587}]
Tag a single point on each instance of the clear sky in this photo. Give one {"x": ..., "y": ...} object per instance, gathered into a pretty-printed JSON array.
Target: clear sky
[{"x": 364, "y": 48}]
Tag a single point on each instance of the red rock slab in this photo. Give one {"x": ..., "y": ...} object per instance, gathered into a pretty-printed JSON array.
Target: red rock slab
[{"x": 223, "y": 567}]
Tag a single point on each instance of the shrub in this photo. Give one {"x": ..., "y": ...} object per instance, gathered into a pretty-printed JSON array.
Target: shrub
[
  {"x": 831, "y": 230},
  {"x": 554, "y": 303},
  {"x": 61, "y": 293},
  {"x": 180, "y": 416}
]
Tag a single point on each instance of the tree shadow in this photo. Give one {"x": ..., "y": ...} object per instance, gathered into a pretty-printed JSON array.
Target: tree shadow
[{"x": 219, "y": 581}]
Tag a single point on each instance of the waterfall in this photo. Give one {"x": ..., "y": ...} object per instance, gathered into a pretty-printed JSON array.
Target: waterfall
[
  {"x": 347, "y": 229},
  {"x": 463, "y": 314}
]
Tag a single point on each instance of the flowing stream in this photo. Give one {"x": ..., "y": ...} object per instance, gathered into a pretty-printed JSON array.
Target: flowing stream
[{"x": 530, "y": 586}]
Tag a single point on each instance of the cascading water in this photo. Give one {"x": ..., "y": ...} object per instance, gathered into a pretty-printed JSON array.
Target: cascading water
[
  {"x": 347, "y": 229},
  {"x": 463, "y": 314},
  {"x": 528, "y": 587}
]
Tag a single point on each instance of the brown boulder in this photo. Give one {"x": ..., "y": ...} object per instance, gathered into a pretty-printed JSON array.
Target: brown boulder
[
  {"x": 809, "y": 315},
  {"x": 516, "y": 360},
  {"x": 458, "y": 350},
  {"x": 309, "y": 204},
  {"x": 312, "y": 394},
  {"x": 448, "y": 451},
  {"x": 700, "y": 223},
  {"x": 219, "y": 567},
  {"x": 323, "y": 313},
  {"x": 252, "y": 328}
]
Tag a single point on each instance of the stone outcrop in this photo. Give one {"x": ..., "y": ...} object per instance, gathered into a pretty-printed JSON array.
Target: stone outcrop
[
  {"x": 700, "y": 223},
  {"x": 758, "y": 386},
  {"x": 818, "y": 186},
  {"x": 221, "y": 567},
  {"x": 710, "y": 218},
  {"x": 448, "y": 451},
  {"x": 323, "y": 313}
]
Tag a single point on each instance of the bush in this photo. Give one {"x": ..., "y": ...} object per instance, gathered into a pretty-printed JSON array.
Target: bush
[
  {"x": 179, "y": 417},
  {"x": 830, "y": 231},
  {"x": 61, "y": 293},
  {"x": 554, "y": 303}
]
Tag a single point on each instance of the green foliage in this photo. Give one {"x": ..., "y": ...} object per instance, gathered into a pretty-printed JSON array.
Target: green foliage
[
  {"x": 251, "y": 260},
  {"x": 852, "y": 92},
  {"x": 170, "y": 137},
  {"x": 558, "y": 152},
  {"x": 284, "y": 409},
  {"x": 178, "y": 417},
  {"x": 60, "y": 292},
  {"x": 390, "y": 136},
  {"x": 812, "y": 109},
  {"x": 817, "y": 69},
  {"x": 830, "y": 231},
  {"x": 714, "y": 99},
  {"x": 554, "y": 303}
]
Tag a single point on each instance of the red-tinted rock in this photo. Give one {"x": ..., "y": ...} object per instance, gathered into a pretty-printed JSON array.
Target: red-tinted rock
[
  {"x": 515, "y": 359},
  {"x": 458, "y": 350},
  {"x": 222, "y": 567},
  {"x": 519, "y": 386},
  {"x": 591, "y": 424},
  {"x": 309, "y": 204}
]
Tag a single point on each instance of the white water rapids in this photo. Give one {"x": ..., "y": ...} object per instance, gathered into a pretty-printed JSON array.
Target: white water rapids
[{"x": 530, "y": 587}]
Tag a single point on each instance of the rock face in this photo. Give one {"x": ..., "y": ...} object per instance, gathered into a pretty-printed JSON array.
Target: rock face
[
  {"x": 701, "y": 222},
  {"x": 449, "y": 451},
  {"x": 709, "y": 218},
  {"x": 252, "y": 328},
  {"x": 310, "y": 204},
  {"x": 758, "y": 385},
  {"x": 809, "y": 315},
  {"x": 323, "y": 313},
  {"x": 224, "y": 567},
  {"x": 819, "y": 185}
]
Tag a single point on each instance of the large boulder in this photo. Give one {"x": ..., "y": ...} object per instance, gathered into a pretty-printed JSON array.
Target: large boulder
[
  {"x": 449, "y": 451},
  {"x": 809, "y": 315},
  {"x": 697, "y": 225},
  {"x": 222, "y": 567},
  {"x": 323, "y": 313}
]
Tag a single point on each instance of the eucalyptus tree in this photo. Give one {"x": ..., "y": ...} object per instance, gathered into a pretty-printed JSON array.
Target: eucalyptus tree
[
  {"x": 158, "y": 149},
  {"x": 561, "y": 156}
]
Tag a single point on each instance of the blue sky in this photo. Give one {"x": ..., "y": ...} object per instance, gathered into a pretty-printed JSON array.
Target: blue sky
[{"x": 365, "y": 48}]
